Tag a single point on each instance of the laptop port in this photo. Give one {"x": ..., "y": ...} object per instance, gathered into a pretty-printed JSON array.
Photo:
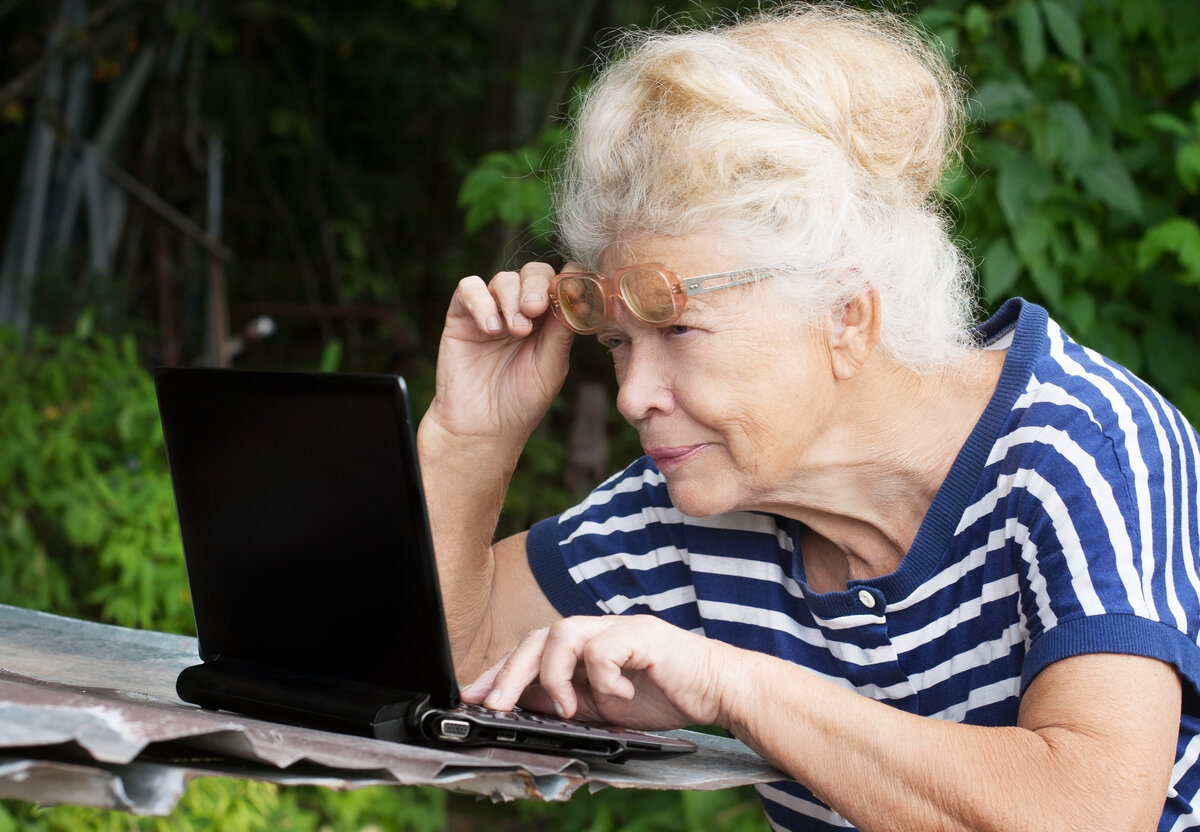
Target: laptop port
[
  {"x": 454, "y": 729},
  {"x": 506, "y": 736}
]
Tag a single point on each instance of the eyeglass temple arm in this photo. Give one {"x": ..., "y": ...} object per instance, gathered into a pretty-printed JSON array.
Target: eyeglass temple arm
[{"x": 700, "y": 285}]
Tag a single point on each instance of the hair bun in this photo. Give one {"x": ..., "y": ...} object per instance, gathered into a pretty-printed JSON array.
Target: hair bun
[{"x": 868, "y": 82}]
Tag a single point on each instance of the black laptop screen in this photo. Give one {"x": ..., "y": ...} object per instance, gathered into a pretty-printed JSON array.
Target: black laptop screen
[{"x": 303, "y": 525}]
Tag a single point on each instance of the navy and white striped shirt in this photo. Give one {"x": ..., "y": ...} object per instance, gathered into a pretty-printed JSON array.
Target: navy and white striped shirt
[{"x": 1069, "y": 524}]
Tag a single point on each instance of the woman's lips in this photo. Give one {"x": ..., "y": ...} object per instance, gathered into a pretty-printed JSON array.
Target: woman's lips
[{"x": 666, "y": 457}]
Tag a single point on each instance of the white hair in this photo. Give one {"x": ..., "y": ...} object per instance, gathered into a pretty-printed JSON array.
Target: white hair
[{"x": 810, "y": 140}]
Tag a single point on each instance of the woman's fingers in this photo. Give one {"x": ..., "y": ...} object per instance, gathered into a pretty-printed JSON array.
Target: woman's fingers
[
  {"x": 637, "y": 670},
  {"x": 606, "y": 656},
  {"x": 507, "y": 304},
  {"x": 472, "y": 299},
  {"x": 512, "y": 674},
  {"x": 549, "y": 656},
  {"x": 477, "y": 691},
  {"x": 506, "y": 289},
  {"x": 562, "y": 660},
  {"x": 522, "y": 295}
]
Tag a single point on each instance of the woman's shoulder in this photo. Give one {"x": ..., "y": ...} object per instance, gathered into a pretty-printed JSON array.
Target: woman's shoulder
[
  {"x": 1086, "y": 434},
  {"x": 1064, "y": 385}
]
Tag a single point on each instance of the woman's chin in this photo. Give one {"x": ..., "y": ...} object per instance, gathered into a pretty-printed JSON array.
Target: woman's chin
[{"x": 696, "y": 500}]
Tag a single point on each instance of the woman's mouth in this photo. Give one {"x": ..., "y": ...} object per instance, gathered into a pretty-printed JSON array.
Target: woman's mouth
[{"x": 674, "y": 455}]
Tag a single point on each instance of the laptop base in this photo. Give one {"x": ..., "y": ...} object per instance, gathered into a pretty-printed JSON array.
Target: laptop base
[{"x": 304, "y": 699}]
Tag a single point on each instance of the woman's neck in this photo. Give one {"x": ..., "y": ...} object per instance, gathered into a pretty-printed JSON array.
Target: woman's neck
[{"x": 864, "y": 497}]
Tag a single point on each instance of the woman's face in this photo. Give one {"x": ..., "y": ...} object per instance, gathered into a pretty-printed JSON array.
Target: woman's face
[{"x": 731, "y": 401}]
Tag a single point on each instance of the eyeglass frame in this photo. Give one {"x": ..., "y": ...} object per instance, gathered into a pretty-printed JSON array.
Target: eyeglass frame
[{"x": 681, "y": 288}]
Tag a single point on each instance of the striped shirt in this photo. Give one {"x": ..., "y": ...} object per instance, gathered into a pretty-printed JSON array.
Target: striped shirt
[{"x": 1068, "y": 524}]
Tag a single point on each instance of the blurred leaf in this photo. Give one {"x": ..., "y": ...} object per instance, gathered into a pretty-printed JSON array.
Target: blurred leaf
[
  {"x": 13, "y": 112},
  {"x": 222, "y": 41},
  {"x": 1032, "y": 238},
  {"x": 512, "y": 187},
  {"x": 1187, "y": 166},
  {"x": 1022, "y": 184},
  {"x": 1168, "y": 123},
  {"x": 1068, "y": 134},
  {"x": 998, "y": 100},
  {"x": 331, "y": 356},
  {"x": 84, "y": 524},
  {"x": 1030, "y": 35},
  {"x": 1000, "y": 267},
  {"x": 1080, "y": 309},
  {"x": 1108, "y": 97},
  {"x": 184, "y": 20},
  {"x": 1179, "y": 236},
  {"x": 1105, "y": 177},
  {"x": 85, "y": 324},
  {"x": 1064, "y": 29},
  {"x": 977, "y": 21},
  {"x": 1171, "y": 354}
]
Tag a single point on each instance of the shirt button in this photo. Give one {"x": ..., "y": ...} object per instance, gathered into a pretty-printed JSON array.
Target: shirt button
[{"x": 866, "y": 599}]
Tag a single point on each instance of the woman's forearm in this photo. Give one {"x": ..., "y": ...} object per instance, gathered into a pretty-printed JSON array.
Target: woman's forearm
[
  {"x": 1100, "y": 763},
  {"x": 464, "y": 486}
]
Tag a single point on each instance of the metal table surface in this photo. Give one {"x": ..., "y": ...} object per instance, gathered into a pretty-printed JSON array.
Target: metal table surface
[{"x": 89, "y": 716}]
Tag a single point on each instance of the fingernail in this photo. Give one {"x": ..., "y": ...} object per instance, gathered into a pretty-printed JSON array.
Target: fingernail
[
  {"x": 558, "y": 708},
  {"x": 519, "y": 320},
  {"x": 493, "y": 323},
  {"x": 532, "y": 297}
]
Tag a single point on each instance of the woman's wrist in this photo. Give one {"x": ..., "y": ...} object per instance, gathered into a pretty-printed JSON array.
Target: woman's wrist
[
  {"x": 738, "y": 686},
  {"x": 472, "y": 451}
]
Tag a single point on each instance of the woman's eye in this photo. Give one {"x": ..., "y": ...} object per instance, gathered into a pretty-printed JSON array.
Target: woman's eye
[
  {"x": 678, "y": 329},
  {"x": 610, "y": 342}
]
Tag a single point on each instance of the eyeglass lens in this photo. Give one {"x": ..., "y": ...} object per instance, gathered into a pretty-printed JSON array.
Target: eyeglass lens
[
  {"x": 581, "y": 299},
  {"x": 647, "y": 293}
]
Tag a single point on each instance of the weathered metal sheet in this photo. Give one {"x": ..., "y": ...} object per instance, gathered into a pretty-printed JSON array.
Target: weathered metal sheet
[{"x": 89, "y": 716}]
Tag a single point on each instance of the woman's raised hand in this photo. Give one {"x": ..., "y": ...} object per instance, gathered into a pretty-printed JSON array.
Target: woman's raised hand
[{"x": 502, "y": 359}]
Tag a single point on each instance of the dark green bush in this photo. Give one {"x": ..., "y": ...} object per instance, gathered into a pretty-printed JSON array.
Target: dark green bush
[{"x": 87, "y": 518}]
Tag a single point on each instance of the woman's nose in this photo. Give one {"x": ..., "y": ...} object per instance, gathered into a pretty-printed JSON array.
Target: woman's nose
[{"x": 644, "y": 385}]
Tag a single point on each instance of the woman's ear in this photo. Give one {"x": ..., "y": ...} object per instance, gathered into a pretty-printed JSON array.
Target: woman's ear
[{"x": 853, "y": 334}]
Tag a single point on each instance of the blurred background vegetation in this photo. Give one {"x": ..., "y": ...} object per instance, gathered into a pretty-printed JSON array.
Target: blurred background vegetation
[{"x": 299, "y": 184}]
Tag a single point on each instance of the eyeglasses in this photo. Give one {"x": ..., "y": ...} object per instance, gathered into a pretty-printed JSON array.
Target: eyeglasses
[{"x": 653, "y": 293}]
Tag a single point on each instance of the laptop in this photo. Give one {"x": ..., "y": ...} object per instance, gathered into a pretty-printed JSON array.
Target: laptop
[{"x": 311, "y": 566}]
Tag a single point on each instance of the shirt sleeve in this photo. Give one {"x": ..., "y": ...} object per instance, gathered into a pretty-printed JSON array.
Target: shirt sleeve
[
  {"x": 550, "y": 570},
  {"x": 1103, "y": 479},
  {"x": 624, "y": 543}
]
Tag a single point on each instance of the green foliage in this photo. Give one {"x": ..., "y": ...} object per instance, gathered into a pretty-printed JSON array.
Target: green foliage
[
  {"x": 247, "y": 806},
  {"x": 87, "y": 518},
  {"x": 1079, "y": 186},
  {"x": 511, "y": 186},
  {"x": 619, "y": 810},
  {"x": 331, "y": 356}
]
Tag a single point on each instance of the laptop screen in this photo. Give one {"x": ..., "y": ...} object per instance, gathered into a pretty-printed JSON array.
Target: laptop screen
[{"x": 303, "y": 525}]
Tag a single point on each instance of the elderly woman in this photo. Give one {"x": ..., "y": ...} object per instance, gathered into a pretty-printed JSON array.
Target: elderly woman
[{"x": 943, "y": 576}]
